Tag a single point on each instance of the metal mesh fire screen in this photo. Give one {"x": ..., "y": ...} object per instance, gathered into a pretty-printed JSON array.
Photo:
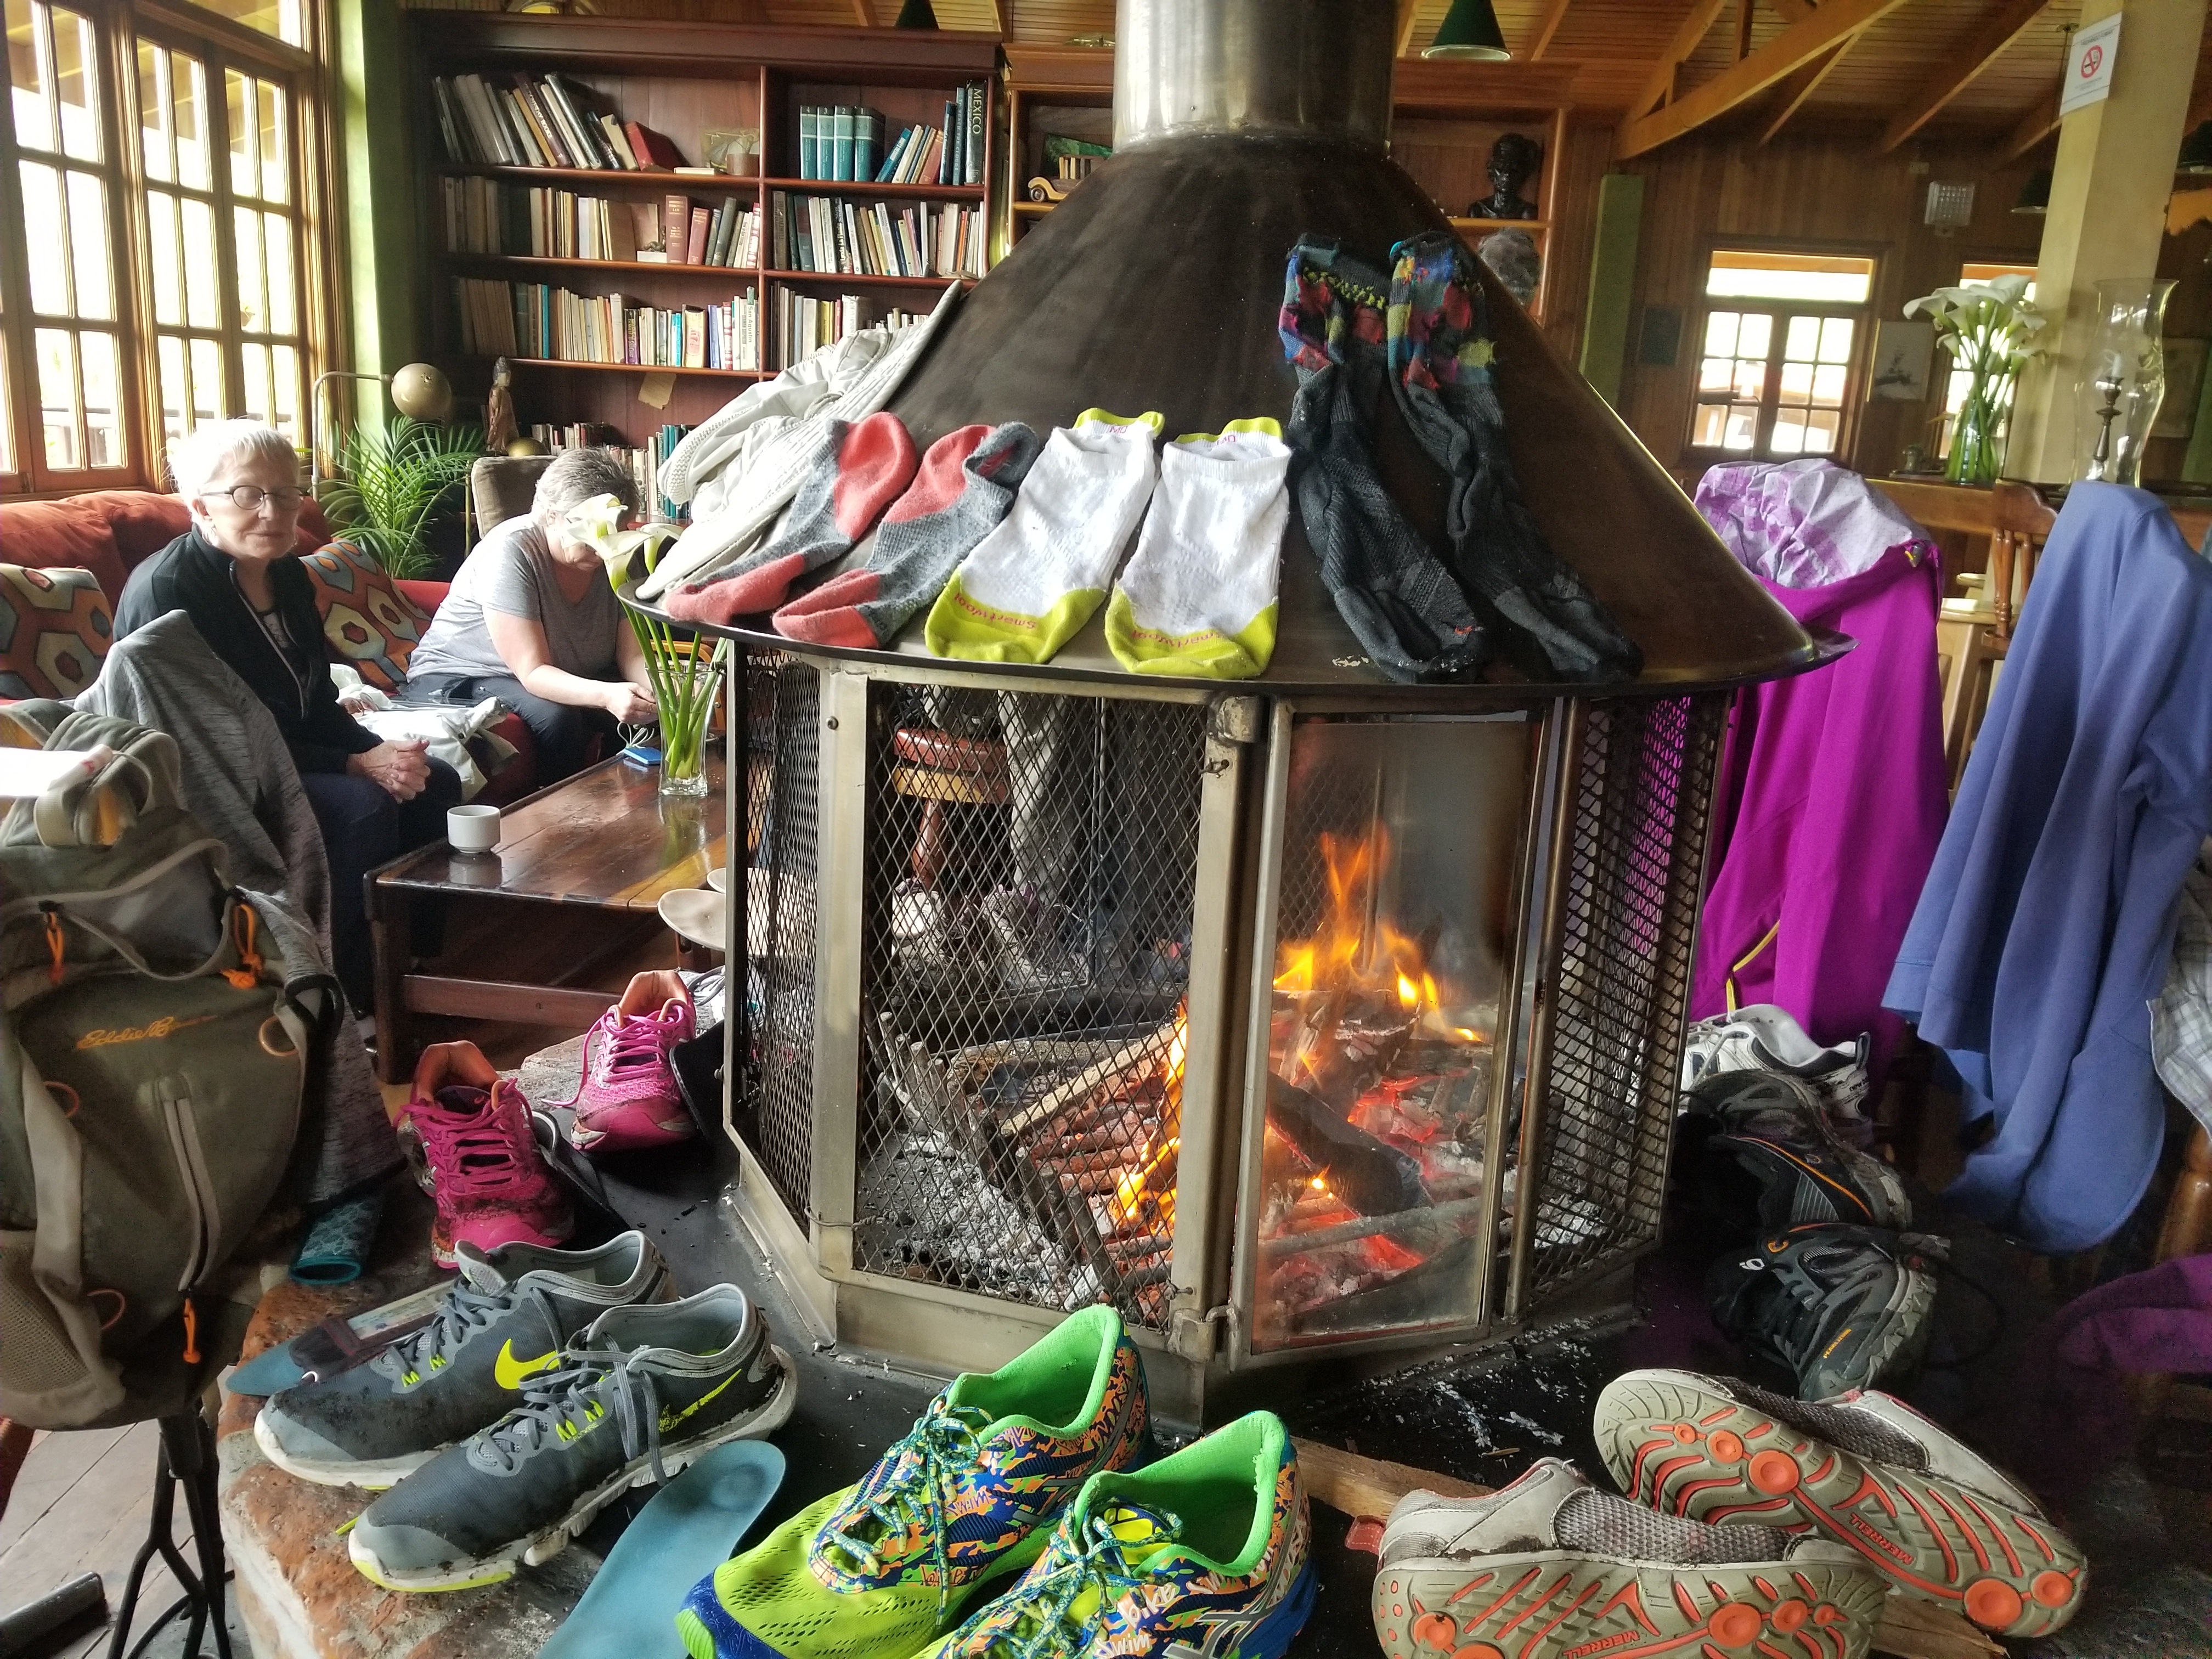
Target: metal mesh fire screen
[
  {"x": 1634, "y": 853},
  {"x": 775, "y": 1109},
  {"x": 1026, "y": 924}
]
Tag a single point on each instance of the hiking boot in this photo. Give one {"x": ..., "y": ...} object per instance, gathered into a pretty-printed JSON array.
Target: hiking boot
[
  {"x": 492, "y": 1184},
  {"x": 1765, "y": 1038},
  {"x": 956, "y": 1509},
  {"x": 504, "y": 1320},
  {"x": 1203, "y": 1553},
  {"x": 1560, "y": 1567},
  {"x": 1841, "y": 1307},
  {"x": 1863, "y": 1470},
  {"x": 645, "y": 1390},
  {"x": 628, "y": 1095},
  {"x": 1771, "y": 1125}
]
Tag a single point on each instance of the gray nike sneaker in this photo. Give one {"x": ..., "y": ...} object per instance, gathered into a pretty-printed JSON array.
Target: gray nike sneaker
[
  {"x": 1561, "y": 1568},
  {"x": 504, "y": 1320},
  {"x": 641, "y": 1394}
]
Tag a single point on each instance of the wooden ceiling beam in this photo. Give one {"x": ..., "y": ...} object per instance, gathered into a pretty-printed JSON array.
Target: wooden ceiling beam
[
  {"x": 1802, "y": 85},
  {"x": 1555, "y": 13},
  {"x": 1772, "y": 63},
  {"x": 2037, "y": 124},
  {"x": 862, "y": 16},
  {"x": 1742, "y": 30},
  {"x": 1659, "y": 84},
  {"x": 1995, "y": 37},
  {"x": 1002, "y": 13},
  {"x": 1409, "y": 12}
]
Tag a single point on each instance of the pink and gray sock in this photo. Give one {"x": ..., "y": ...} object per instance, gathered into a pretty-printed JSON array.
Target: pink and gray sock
[
  {"x": 867, "y": 465},
  {"x": 965, "y": 486}
]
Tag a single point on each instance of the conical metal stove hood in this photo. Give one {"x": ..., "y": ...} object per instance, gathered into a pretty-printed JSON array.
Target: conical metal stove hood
[{"x": 1239, "y": 126}]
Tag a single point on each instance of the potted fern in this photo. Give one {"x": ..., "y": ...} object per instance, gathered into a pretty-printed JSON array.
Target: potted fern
[{"x": 390, "y": 484}]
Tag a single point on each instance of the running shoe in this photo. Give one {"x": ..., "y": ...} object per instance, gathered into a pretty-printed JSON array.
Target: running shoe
[
  {"x": 1765, "y": 1038},
  {"x": 628, "y": 1095},
  {"x": 639, "y": 1395},
  {"x": 503, "y": 1322},
  {"x": 1771, "y": 1126},
  {"x": 1203, "y": 1553},
  {"x": 491, "y": 1183},
  {"x": 1551, "y": 1565},
  {"x": 1841, "y": 1307},
  {"x": 956, "y": 1509},
  {"x": 1864, "y": 1471}
]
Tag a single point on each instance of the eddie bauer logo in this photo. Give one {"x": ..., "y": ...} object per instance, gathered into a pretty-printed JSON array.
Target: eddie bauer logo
[{"x": 159, "y": 1028}]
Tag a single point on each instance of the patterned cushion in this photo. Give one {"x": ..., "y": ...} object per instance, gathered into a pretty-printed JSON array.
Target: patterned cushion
[
  {"x": 55, "y": 626},
  {"x": 368, "y": 623}
]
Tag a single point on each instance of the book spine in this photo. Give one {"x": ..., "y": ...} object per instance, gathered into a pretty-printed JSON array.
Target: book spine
[
  {"x": 867, "y": 139},
  {"x": 842, "y": 157},
  {"x": 972, "y": 157},
  {"x": 810, "y": 138},
  {"x": 675, "y": 226},
  {"x": 695, "y": 245}
]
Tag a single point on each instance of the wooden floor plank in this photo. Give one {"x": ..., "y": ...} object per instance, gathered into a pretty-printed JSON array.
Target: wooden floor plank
[
  {"x": 48, "y": 1473},
  {"x": 97, "y": 1521}
]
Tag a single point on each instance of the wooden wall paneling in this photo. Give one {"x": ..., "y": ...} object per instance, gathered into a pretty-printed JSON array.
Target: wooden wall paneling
[
  {"x": 1806, "y": 189},
  {"x": 1583, "y": 159}
]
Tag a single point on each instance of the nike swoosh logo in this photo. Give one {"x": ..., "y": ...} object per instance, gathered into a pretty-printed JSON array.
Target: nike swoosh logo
[
  {"x": 670, "y": 1419},
  {"x": 508, "y": 1371}
]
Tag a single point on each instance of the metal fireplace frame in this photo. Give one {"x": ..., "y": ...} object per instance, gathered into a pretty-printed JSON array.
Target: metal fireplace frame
[{"x": 1205, "y": 1355}]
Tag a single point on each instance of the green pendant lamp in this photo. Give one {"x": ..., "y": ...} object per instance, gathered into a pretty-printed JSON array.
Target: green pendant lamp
[
  {"x": 2035, "y": 194},
  {"x": 1469, "y": 30},
  {"x": 916, "y": 15},
  {"x": 2196, "y": 151}
]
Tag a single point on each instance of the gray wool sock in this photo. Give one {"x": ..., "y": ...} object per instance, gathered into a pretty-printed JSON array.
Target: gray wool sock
[{"x": 965, "y": 486}]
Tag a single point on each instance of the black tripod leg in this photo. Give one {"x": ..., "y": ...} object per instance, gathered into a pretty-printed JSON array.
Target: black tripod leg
[{"x": 198, "y": 1479}]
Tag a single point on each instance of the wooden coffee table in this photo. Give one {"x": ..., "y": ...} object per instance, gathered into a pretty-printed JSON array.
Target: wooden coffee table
[{"x": 603, "y": 841}]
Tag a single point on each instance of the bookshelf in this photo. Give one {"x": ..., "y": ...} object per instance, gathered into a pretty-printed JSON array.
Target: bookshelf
[
  {"x": 680, "y": 79},
  {"x": 1444, "y": 118}
]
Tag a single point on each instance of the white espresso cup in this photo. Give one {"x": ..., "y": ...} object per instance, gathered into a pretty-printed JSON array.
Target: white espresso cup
[{"x": 472, "y": 829}]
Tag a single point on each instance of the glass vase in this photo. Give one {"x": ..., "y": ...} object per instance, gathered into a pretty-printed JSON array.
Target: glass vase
[
  {"x": 683, "y": 754},
  {"x": 2123, "y": 380},
  {"x": 1977, "y": 438}
]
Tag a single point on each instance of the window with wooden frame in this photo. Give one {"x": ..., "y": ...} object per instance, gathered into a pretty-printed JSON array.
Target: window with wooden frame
[
  {"x": 1780, "y": 356},
  {"x": 159, "y": 164}
]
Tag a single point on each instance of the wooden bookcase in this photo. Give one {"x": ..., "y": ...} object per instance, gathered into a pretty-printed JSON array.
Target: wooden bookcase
[
  {"x": 1444, "y": 118},
  {"x": 681, "y": 78}
]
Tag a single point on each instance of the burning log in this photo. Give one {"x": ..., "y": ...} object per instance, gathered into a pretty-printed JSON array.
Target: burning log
[
  {"x": 1139, "y": 1056},
  {"x": 1407, "y": 1223},
  {"x": 1371, "y": 1176}
]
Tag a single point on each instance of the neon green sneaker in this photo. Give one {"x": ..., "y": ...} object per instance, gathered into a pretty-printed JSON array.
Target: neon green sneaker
[
  {"x": 1204, "y": 1553},
  {"x": 966, "y": 1500}
]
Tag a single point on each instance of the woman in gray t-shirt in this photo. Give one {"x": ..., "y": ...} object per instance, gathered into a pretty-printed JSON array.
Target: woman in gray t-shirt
[{"x": 531, "y": 620}]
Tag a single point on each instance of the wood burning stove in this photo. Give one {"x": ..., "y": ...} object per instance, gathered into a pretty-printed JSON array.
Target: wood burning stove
[{"x": 1311, "y": 1016}]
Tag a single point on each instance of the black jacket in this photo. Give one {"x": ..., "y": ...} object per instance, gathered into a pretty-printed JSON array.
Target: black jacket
[{"x": 193, "y": 575}]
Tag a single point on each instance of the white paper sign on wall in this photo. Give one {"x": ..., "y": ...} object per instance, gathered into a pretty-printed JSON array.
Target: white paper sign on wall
[{"x": 2090, "y": 70}]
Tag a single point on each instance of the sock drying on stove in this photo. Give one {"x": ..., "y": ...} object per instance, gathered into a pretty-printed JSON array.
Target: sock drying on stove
[
  {"x": 966, "y": 483},
  {"x": 1440, "y": 356},
  {"x": 1197, "y": 597},
  {"x": 1393, "y": 593},
  {"x": 868, "y": 463},
  {"x": 1033, "y": 582}
]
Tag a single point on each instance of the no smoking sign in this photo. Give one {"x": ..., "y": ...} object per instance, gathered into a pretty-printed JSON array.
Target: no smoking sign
[{"x": 2091, "y": 80}]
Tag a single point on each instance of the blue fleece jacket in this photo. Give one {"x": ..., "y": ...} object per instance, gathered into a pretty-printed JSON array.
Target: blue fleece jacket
[{"x": 2046, "y": 921}]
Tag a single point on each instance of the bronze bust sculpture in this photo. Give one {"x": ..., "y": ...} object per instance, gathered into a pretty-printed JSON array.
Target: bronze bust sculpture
[{"x": 1514, "y": 159}]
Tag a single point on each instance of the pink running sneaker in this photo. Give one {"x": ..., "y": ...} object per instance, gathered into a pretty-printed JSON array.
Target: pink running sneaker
[
  {"x": 628, "y": 1097},
  {"x": 487, "y": 1176}
]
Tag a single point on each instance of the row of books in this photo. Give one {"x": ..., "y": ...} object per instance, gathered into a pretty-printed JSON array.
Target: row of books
[
  {"x": 483, "y": 216},
  {"x": 545, "y": 121},
  {"x": 535, "y": 320},
  {"x": 832, "y": 236},
  {"x": 800, "y": 325},
  {"x": 644, "y": 462},
  {"x": 845, "y": 142}
]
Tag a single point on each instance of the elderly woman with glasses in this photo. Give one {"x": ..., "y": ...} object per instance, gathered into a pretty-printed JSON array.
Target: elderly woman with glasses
[{"x": 236, "y": 574}]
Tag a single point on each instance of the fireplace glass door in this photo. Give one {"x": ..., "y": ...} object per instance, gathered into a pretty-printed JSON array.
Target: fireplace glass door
[{"x": 1390, "y": 945}]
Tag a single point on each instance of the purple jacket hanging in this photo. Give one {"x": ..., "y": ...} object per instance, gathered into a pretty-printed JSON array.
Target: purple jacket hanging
[
  {"x": 1833, "y": 790},
  {"x": 2047, "y": 922}
]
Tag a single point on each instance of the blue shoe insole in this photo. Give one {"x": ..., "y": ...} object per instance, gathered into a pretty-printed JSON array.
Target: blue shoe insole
[{"x": 687, "y": 1530}]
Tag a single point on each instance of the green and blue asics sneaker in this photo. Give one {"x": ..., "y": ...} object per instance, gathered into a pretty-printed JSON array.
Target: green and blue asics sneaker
[
  {"x": 960, "y": 1505},
  {"x": 504, "y": 1320},
  {"x": 1202, "y": 1554},
  {"x": 640, "y": 1395}
]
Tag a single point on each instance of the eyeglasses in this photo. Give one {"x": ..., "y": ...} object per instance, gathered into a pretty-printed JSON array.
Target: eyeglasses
[{"x": 249, "y": 498}]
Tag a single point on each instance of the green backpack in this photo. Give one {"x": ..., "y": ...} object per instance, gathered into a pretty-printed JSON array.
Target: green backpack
[{"x": 153, "y": 1055}]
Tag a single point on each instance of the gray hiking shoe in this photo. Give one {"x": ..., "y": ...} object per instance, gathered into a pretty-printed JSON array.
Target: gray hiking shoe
[
  {"x": 504, "y": 1320},
  {"x": 1842, "y": 1307},
  {"x": 1765, "y": 1038},
  {"x": 646, "y": 1390},
  {"x": 1560, "y": 1567},
  {"x": 1772, "y": 1126},
  {"x": 1863, "y": 1470}
]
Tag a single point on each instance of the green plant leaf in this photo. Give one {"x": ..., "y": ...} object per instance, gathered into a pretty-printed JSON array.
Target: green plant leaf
[{"x": 392, "y": 483}]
